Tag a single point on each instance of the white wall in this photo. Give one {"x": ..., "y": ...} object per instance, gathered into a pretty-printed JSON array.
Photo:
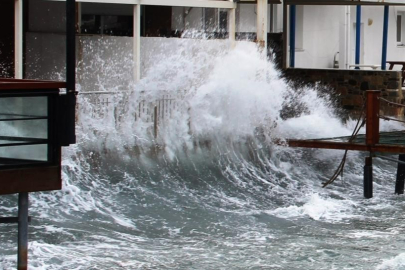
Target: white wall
[
  {"x": 372, "y": 18},
  {"x": 320, "y": 37}
]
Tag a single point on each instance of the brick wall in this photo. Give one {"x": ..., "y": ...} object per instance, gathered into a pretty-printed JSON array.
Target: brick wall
[{"x": 350, "y": 85}]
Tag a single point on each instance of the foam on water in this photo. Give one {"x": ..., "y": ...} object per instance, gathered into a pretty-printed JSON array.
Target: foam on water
[
  {"x": 318, "y": 208},
  {"x": 398, "y": 262},
  {"x": 212, "y": 190}
]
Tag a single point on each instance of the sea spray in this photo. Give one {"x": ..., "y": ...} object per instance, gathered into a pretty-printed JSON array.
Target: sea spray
[{"x": 210, "y": 190}]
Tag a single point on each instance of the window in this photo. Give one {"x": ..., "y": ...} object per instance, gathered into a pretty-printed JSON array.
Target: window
[
  {"x": 215, "y": 22},
  {"x": 107, "y": 25}
]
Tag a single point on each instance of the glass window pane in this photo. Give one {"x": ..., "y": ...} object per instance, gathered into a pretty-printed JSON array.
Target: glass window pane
[
  {"x": 23, "y": 107},
  {"x": 23, "y": 127},
  {"x": 37, "y": 152}
]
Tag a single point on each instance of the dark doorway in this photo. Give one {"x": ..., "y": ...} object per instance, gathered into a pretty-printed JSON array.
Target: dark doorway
[
  {"x": 7, "y": 39},
  {"x": 158, "y": 21}
]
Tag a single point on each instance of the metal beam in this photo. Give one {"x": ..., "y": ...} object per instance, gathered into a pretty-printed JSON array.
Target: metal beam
[
  {"x": 190, "y": 3},
  {"x": 18, "y": 39},
  {"x": 383, "y": 148},
  {"x": 172, "y": 3}
]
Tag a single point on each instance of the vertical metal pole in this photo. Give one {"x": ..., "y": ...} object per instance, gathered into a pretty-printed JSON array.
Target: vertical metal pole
[
  {"x": 292, "y": 35},
  {"x": 358, "y": 35},
  {"x": 71, "y": 70},
  {"x": 368, "y": 178},
  {"x": 22, "y": 231},
  {"x": 137, "y": 43},
  {"x": 400, "y": 182},
  {"x": 385, "y": 38}
]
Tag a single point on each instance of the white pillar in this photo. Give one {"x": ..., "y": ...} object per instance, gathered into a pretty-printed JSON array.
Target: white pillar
[
  {"x": 262, "y": 22},
  {"x": 232, "y": 27},
  {"x": 347, "y": 37},
  {"x": 137, "y": 43},
  {"x": 18, "y": 39}
]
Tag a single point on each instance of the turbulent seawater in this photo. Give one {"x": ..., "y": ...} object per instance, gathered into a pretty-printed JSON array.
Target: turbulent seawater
[{"x": 212, "y": 190}]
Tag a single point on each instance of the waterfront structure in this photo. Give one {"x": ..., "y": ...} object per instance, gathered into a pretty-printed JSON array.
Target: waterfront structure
[{"x": 326, "y": 33}]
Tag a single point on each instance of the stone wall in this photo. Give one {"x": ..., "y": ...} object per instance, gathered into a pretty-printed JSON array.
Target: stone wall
[{"x": 350, "y": 85}]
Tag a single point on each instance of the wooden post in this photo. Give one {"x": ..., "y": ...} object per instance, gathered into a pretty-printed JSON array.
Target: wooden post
[
  {"x": 372, "y": 120},
  {"x": 368, "y": 178},
  {"x": 400, "y": 182},
  {"x": 372, "y": 137}
]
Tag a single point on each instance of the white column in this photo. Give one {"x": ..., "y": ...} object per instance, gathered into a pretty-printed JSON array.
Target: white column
[
  {"x": 137, "y": 43},
  {"x": 347, "y": 36},
  {"x": 232, "y": 27},
  {"x": 262, "y": 22},
  {"x": 18, "y": 39}
]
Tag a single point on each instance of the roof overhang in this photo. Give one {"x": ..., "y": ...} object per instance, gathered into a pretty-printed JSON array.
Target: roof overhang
[
  {"x": 255, "y": 1},
  {"x": 174, "y": 3},
  {"x": 347, "y": 2}
]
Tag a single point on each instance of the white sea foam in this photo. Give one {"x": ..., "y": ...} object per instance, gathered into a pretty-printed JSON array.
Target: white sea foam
[
  {"x": 396, "y": 263},
  {"x": 318, "y": 208}
]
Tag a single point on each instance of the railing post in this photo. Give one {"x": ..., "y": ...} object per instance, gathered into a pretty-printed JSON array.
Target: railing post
[
  {"x": 368, "y": 178},
  {"x": 155, "y": 121},
  {"x": 372, "y": 138},
  {"x": 400, "y": 181}
]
